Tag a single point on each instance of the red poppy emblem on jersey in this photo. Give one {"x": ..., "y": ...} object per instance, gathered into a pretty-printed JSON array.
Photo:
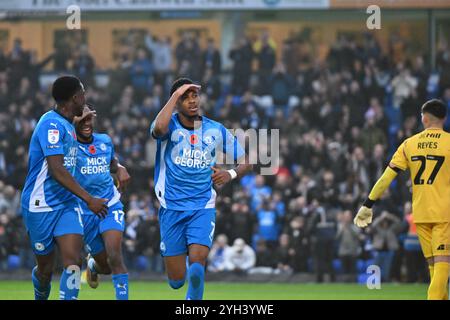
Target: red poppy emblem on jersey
[
  {"x": 194, "y": 139},
  {"x": 92, "y": 149}
]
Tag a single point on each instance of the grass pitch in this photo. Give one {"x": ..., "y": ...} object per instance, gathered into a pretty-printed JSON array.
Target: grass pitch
[{"x": 23, "y": 290}]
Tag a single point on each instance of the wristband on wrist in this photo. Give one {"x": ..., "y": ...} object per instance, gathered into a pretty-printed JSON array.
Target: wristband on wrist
[
  {"x": 368, "y": 203},
  {"x": 232, "y": 173}
]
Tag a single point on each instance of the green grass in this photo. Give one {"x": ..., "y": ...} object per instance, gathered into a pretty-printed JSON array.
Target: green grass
[{"x": 23, "y": 290}]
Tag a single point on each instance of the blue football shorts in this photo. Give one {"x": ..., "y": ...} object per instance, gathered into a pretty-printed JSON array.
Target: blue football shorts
[
  {"x": 94, "y": 226},
  {"x": 43, "y": 227},
  {"x": 180, "y": 229}
]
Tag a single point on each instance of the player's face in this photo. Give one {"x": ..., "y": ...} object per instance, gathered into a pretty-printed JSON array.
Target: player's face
[
  {"x": 189, "y": 105},
  {"x": 85, "y": 127}
]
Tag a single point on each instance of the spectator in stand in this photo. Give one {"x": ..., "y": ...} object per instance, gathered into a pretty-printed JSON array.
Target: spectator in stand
[
  {"x": 161, "y": 52},
  {"x": 83, "y": 66},
  {"x": 282, "y": 88},
  {"x": 211, "y": 58},
  {"x": 285, "y": 255},
  {"x": 349, "y": 247},
  {"x": 323, "y": 225},
  {"x": 240, "y": 258},
  {"x": 266, "y": 57},
  {"x": 242, "y": 56},
  {"x": 188, "y": 56},
  {"x": 385, "y": 242},
  {"x": 299, "y": 244},
  {"x": 416, "y": 265},
  {"x": 216, "y": 258},
  {"x": 141, "y": 73}
]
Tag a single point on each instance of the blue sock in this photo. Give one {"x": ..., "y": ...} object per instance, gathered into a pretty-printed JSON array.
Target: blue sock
[
  {"x": 196, "y": 276},
  {"x": 120, "y": 282},
  {"x": 40, "y": 292},
  {"x": 69, "y": 285}
]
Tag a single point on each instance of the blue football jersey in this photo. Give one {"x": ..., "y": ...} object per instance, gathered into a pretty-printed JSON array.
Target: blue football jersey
[
  {"x": 184, "y": 158},
  {"x": 53, "y": 135},
  {"x": 93, "y": 169}
]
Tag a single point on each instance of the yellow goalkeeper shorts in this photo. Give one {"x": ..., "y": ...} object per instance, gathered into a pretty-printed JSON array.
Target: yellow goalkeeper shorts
[{"x": 434, "y": 238}]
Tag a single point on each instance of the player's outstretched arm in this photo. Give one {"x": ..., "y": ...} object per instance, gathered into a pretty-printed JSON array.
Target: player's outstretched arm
[
  {"x": 162, "y": 120},
  {"x": 63, "y": 177},
  {"x": 364, "y": 216}
]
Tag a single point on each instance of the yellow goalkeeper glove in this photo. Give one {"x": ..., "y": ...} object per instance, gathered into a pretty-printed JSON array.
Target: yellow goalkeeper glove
[{"x": 363, "y": 217}]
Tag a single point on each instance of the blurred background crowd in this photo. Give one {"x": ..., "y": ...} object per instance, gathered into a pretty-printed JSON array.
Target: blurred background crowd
[{"x": 340, "y": 121}]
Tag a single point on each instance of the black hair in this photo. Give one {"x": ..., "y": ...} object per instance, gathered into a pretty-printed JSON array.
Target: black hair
[
  {"x": 435, "y": 107},
  {"x": 179, "y": 83},
  {"x": 65, "y": 87}
]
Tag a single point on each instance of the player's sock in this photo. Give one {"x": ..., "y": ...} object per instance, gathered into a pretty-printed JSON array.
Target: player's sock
[
  {"x": 196, "y": 282},
  {"x": 438, "y": 286},
  {"x": 40, "y": 292},
  {"x": 120, "y": 282},
  {"x": 69, "y": 285}
]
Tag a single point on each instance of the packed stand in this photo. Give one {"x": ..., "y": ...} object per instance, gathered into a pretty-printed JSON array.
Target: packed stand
[{"x": 340, "y": 120}]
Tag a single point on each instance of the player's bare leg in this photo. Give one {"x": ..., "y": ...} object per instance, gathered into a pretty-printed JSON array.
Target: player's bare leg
[
  {"x": 42, "y": 275},
  {"x": 113, "y": 246},
  {"x": 439, "y": 271},
  {"x": 196, "y": 274},
  {"x": 70, "y": 246},
  {"x": 176, "y": 270},
  {"x": 97, "y": 264}
]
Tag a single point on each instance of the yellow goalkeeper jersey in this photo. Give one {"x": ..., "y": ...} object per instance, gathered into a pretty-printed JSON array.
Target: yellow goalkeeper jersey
[{"x": 427, "y": 155}]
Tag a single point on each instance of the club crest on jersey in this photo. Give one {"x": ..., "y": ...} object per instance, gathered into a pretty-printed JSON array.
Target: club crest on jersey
[
  {"x": 193, "y": 139},
  {"x": 209, "y": 140},
  {"x": 92, "y": 149},
  {"x": 53, "y": 136},
  {"x": 103, "y": 147}
]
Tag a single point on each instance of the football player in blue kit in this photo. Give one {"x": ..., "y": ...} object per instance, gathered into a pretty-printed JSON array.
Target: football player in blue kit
[
  {"x": 102, "y": 236},
  {"x": 49, "y": 200},
  {"x": 187, "y": 148}
]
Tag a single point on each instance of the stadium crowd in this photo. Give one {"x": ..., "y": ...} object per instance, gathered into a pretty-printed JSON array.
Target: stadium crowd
[{"x": 340, "y": 120}]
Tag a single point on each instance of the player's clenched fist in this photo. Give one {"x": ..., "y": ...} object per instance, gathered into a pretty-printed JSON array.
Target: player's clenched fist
[
  {"x": 98, "y": 206},
  {"x": 363, "y": 217},
  {"x": 220, "y": 177}
]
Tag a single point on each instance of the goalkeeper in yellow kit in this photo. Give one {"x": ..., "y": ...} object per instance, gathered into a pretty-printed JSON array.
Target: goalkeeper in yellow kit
[{"x": 427, "y": 155}]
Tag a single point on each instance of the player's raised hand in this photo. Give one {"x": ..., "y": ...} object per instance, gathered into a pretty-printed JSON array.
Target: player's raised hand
[
  {"x": 123, "y": 178},
  {"x": 220, "y": 177},
  {"x": 98, "y": 206},
  {"x": 363, "y": 217},
  {"x": 184, "y": 88},
  {"x": 86, "y": 113}
]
